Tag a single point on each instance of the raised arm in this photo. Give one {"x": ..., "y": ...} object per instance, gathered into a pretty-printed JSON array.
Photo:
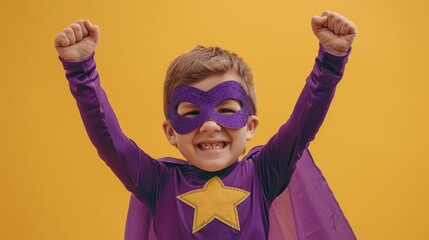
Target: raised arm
[
  {"x": 276, "y": 160},
  {"x": 76, "y": 45}
]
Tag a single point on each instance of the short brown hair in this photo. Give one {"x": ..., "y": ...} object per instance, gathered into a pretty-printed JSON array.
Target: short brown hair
[{"x": 202, "y": 62}]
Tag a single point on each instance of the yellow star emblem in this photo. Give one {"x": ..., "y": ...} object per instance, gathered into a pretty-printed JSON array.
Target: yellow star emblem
[{"x": 214, "y": 200}]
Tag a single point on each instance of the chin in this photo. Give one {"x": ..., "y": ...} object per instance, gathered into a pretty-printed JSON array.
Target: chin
[{"x": 213, "y": 167}]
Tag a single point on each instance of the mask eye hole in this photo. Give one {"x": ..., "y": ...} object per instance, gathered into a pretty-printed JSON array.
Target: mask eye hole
[
  {"x": 229, "y": 106},
  {"x": 187, "y": 109}
]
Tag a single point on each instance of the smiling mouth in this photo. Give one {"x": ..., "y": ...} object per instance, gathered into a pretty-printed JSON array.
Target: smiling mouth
[{"x": 208, "y": 146}]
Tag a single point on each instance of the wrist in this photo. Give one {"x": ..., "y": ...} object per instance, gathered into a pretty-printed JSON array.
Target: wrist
[
  {"x": 78, "y": 64},
  {"x": 335, "y": 52},
  {"x": 66, "y": 59}
]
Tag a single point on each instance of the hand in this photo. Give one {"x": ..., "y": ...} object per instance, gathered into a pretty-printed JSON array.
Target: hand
[
  {"x": 335, "y": 32},
  {"x": 77, "y": 41}
]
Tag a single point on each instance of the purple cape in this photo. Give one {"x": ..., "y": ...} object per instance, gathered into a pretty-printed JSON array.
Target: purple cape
[{"x": 306, "y": 210}]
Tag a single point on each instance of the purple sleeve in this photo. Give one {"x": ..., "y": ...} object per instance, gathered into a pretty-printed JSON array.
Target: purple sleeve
[
  {"x": 277, "y": 159},
  {"x": 130, "y": 164}
]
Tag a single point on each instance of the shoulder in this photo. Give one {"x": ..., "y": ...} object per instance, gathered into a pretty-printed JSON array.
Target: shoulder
[
  {"x": 252, "y": 153},
  {"x": 172, "y": 160}
]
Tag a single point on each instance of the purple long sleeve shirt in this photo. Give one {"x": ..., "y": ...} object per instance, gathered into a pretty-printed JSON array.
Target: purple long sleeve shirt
[{"x": 264, "y": 173}]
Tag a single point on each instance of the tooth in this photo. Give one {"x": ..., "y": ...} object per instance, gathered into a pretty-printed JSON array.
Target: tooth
[{"x": 207, "y": 146}]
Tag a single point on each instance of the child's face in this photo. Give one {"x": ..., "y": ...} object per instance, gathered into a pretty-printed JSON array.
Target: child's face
[{"x": 212, "y": 147}]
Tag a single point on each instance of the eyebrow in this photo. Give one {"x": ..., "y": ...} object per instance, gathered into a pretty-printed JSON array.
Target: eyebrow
[
  {"x": 230, "y": 101},
  {"x": 223, "y": 103},
  {"x": 186, "y": 105}
]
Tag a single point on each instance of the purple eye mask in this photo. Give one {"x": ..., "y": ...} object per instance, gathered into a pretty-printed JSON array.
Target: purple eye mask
[{"x": 207, "y": 102}]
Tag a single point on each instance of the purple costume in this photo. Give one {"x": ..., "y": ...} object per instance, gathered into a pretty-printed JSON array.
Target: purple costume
[{"x": 165, "y": 188}]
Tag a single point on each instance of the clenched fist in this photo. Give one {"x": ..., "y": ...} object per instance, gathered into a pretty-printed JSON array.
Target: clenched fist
[
  {"x": 335, "y": 32},
  {"x": 77, "y": 41}
]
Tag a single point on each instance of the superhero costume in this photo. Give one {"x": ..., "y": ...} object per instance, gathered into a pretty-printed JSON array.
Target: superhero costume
[{"x": 258, "y": 179}]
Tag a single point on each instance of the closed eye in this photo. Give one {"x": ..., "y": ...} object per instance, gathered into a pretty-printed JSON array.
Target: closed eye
[
  {"x": 226, "y": 111},
  {"x": 191, "y": 113},
  {"x": 228, "y": 106},
  {"x": 187, "y": 109}
]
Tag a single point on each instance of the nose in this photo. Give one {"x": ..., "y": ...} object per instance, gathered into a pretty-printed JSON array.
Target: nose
[{"x": 210, "y": 127}]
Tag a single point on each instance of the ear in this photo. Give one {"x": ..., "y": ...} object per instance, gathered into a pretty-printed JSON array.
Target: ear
[
  {"x": 252, "y": 124},
  {"x": 169, "y": 132}
]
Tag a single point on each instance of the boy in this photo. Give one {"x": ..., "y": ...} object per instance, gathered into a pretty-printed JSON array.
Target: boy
[{"x": 209, "y": 104}]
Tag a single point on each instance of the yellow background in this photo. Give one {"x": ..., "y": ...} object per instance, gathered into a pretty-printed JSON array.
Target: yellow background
[{"x": 372, "y": 148}]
